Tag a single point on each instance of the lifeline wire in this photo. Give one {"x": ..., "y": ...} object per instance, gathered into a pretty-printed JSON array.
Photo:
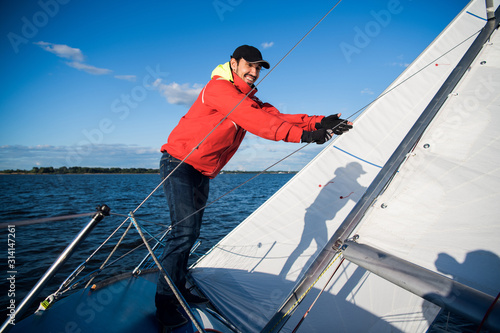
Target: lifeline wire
[{"x": 47, "y": 219}]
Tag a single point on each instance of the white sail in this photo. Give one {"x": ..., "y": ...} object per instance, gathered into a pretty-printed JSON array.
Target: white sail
[
  {"x": 442, "y": 209},
  {"x": 252, "y": 271}
]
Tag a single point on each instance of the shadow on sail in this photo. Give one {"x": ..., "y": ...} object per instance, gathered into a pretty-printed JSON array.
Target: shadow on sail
[{"x": 332, "y": 198}]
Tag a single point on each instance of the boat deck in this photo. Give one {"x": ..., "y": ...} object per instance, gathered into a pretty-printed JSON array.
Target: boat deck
[{"x": 122, "y": 304}]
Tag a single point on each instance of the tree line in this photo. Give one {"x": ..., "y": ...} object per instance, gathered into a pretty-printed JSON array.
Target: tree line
[
  {"x": 79, "y": 170},
  {"x": 96, "y": 170}
]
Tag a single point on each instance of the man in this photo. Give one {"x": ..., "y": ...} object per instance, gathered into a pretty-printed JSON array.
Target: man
[{"x": 207, "y": 137}]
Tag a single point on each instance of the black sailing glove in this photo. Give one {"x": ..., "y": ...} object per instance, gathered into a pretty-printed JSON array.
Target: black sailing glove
[
  {"x": 319, "y": 136},
  {"x": 336, "y": 124}
]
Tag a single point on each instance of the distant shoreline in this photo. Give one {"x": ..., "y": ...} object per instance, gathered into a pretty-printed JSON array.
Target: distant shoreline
[{"x": 110, "y": 171}]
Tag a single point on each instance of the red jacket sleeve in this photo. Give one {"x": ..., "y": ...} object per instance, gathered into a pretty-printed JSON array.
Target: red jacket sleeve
[
  {"x": 262, "y": 120},
  {"x": 303, "y": 121}
]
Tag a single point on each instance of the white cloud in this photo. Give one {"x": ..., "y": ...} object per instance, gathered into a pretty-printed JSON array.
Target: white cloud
[
  {"x": 399, "y": 64},
  {"x": 367, "y": 91},
  {"x": 63, "y": 51},
  {"x": 180, "y": 94},
  {"x": 267, "y": 45},
  {"x": 89, "y": 69},
  {"x": 130, "y": 78},
  {"x": 74, "y": 54}
]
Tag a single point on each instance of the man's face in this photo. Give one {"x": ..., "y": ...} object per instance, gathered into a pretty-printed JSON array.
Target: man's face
[{"x": 248, "y": 72}]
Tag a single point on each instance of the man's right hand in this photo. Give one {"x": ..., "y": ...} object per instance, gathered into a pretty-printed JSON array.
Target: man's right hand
[{"x": 319, "y": 136}]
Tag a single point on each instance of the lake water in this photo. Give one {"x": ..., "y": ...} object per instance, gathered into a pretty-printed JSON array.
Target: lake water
[{"x": 25, "y": 197}]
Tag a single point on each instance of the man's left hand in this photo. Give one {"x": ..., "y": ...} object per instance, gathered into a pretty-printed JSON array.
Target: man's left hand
[{"x": 335, "y": 123}]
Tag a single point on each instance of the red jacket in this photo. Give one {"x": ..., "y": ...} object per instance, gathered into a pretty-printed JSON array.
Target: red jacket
[{"x": 216, "y": 100}]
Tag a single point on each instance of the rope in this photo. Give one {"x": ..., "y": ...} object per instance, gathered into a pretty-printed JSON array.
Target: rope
[
  {"x": 487, "y": 313},
  {"x": 297, "y": 302},
  {"x": 317, "y": 297},
  {"x": 300, "y": 41}
]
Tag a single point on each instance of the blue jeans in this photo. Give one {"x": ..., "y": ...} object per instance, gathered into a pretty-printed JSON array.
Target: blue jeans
[{"x": 187, "y": 192}]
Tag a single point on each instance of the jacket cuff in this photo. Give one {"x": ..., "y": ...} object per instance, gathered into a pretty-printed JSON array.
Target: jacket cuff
[
  {"x": 295, "y": 134},
  {"x": 314, "y": 120}
]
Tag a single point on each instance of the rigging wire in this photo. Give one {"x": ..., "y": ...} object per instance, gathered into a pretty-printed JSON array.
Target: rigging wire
[
  {"x": 240, "y": 185},
  {"x": 302, "y": 147},
  {"x": 112, "y": 252},
  {"x": 241, "y": 101},
  {"x": 216, "y": 126},
  {"x": 414, "y": 74}
]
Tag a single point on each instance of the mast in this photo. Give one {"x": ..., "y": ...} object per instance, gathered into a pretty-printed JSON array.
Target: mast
[{"x": 384, "y": 177}]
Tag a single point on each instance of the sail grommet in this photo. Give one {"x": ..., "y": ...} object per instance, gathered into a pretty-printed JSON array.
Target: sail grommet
[
  {"x": 383, "y": 206},
  {"x": 483, "y": 62},
  {"x": 427, "y": 146}
]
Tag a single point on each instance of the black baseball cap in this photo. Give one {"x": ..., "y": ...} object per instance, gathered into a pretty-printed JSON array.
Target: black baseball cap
[{"x": 250, "y": 54}]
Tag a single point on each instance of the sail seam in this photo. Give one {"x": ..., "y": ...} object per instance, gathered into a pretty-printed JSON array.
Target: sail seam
[
  {"x": 479, "y": 17},
  {"x": 357, "y": 157}
]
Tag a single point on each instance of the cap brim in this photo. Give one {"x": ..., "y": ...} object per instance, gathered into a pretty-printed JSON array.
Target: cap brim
[{"x": 264, "y": 63}]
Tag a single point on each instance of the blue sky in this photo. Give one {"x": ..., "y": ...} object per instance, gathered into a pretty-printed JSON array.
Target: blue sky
[{"x": 102, "y": 83}]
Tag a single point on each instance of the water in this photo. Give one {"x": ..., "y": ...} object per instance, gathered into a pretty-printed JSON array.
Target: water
[{"x": 39, "y": 196}]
